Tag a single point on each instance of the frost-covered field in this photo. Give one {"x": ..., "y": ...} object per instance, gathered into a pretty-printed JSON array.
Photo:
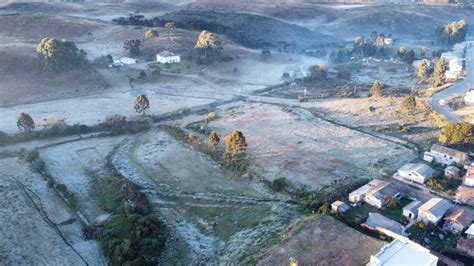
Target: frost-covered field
[
  {"x": 293, "y": 143},
  {"x": 218, "y": 216},
  {"x": 29, "y": 235}
]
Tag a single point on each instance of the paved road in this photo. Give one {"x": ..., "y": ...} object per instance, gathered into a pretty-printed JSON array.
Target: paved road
[{"x": 455, "y": 90}]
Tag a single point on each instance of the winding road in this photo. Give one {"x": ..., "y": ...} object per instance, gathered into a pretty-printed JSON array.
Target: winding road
[{"x": 455, "y": 90}]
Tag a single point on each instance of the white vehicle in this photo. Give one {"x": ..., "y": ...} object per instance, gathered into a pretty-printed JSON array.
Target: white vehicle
[{"x": 442, "y": 102}]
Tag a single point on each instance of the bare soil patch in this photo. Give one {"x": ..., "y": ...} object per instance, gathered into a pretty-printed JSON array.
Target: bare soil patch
[{"x": 322, "y": 240}]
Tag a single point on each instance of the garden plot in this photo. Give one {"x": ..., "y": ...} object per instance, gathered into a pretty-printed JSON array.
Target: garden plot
[
  {"x": 27, "y": 236},
  {"x": 219, "y": 216},
  {"x": 79, "y": 165},
  {"x": 292, "y": 143}
]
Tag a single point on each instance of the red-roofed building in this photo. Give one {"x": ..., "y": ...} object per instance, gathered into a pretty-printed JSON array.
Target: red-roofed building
[
  {"x": 458, "y": 220},
  {"x": 469, "y": 177},
  {"x": 465, "y": 195}
]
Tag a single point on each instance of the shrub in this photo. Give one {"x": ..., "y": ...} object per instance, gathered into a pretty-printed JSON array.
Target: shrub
[{"x": 279, "y": 184}]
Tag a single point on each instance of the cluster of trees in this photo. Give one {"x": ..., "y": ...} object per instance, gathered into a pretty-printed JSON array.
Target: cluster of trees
[
  {"x": 137, "y": 20},
  {"x": 452, "y": 33},
  {"x": 59, "y": 55},
  {"x": 407, "y": 56},
  {"x": 367, "y": 48},
  {"x": 235, "y": 145},
  {"x": 436, "y": 75},
  {"x": 317, "y": 72},
  {"x": 151, "y": 33},
  {"x": 461, "y": 133},
  {"x": 132, "y": 46},
  {"x": 208, "y": 48}
]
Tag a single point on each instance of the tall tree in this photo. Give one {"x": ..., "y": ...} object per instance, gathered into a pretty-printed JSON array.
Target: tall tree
[
  {"x": 59, "y": 55},
  {"x": 132, "y": 46},
  {"x": 408, "y": 106},
  {"x": 438, "y": 77},
  {"x": 151, "y": 33},
  {"x": 208, "y": 48},
  {"x": 376, "y": 90},
  {"x": 25, "y": 122},
  {"x": 141, "y": 103},
  {"x": 236, "y": 143},
  {"x": 214, "y": 139},
  {"x": 423, "y": 70},
  {"x": 170, "y": 27}
]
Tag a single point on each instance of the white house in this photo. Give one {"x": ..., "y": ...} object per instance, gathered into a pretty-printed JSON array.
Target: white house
[
  {"x": 468, "y": 179},
  {"x": 403, "y": 252},
  {"x": 380, "y": 194},
  {"x": 433, "y": 210},
  {"x": 445, "y": 155},
  {"x": 411, "y": 210},
  {"x": 388, "y": 41},
  {"x": 376, "y": 193},
  {"x": 167, "y": 57},
  {"x": 469, "y": 97},
  {"x": 414, "y": 173}
]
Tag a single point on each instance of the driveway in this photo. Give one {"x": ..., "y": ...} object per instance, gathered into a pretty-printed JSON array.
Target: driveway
[{"x": 455, "y": 90}]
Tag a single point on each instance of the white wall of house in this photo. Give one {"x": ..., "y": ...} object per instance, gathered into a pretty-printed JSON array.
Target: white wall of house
[
  {"x": 373, "y": 201},
  {"x": 443, "y": 158},
  {"x": 168, "y": 59},
  {"x": 427, "y": 217},
  {"x": 409, "y": 214},
  {"x": 469, "y": 182}
]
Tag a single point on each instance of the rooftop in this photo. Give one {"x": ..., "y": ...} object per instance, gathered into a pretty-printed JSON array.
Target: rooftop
[
  {"x": 413, "y": 206},
  {"x": 436, "y": 206},
  {"x": 365, "y": 188},
  {"x": 404, "y": 252},
  {"x": 448, "y": 151},
  {"x": 419, "y": 168},
  {"x": 470, "y": 230},
  {"x": 461, "y": 216},
  {"x": 465, "y": 194},
  {"x": 376, "y": 220},
  {"x": 166, "y": 54}
]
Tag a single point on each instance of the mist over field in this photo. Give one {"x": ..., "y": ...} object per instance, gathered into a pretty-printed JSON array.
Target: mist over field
[{"x": 236, "y": 132}]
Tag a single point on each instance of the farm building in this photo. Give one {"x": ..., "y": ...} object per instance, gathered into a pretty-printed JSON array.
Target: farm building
[
  {"x": 403, "y": 252},
  {"x": 411, "y": 172},
  {"x": 433, "y": 210},
  {"x": 167, "y": 57},
  {"x": 445, "y": 155},
  {"x": 358, "y": 194},
  {"x": 411, "y": 210},
  {"x": 458, "y": 221},
  {"x": 339, "y": 206}
]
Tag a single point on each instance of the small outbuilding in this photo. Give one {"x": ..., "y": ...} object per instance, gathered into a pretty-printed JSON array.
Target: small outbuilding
[
  {"x": 411, "y": 210},
  {"x": 339, "y": 206},
  {"x": 451, "y": 172}
]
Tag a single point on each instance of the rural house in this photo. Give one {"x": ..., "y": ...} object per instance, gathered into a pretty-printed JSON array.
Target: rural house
[
  {"x": 458, "y": 221},
  {"x": 411, "y": 210},
  {"x": 379, "y": 195},
  {"x": 167, "y": 57},
  {"x": 433, "y": 210},
  {"x": 411, "y": 172},
  {"x": 403, "y": 252},
  {"x": 339, "y": 206},
  {"x": 465, "y": 195},
  {"x": 376, "y": 193},
  {"x": 468, "y": 179},
  {"x": 384, "y": 225},
  {"x": 445, "y": 155}
]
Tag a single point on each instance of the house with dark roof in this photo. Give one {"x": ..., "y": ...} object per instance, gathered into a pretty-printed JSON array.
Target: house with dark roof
[
  {"x": 458, "y": 220},
  {"x": 379, "y": 195},
  {"x": 433, "y": 210},
  {"x": 384, "y": 225}
]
